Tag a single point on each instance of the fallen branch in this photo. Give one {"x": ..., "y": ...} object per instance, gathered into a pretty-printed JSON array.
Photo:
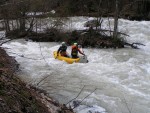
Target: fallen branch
[
  {"x": 134, "y": 45},
  {"x": 104, "y": 30},
  {"x": 101, "y": 30}
]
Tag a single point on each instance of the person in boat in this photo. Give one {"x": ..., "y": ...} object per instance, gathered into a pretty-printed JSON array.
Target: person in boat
[
  {"x": 75, "y": 50},
  {"x": 62, "y": 50}
]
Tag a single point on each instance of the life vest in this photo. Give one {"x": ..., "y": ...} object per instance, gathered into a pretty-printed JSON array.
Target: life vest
[{"x": 74, "y": 51}]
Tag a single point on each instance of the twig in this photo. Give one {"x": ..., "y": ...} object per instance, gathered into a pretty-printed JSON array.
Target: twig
[
  {"x": 138, "y": 44},
  {"x": 133, "y": 45},
  {"x": 32, "y": 23},
  {"x": 127, "y": 104},
  {"x": 42, "y": 54},
  {"x": 42, "y": 80},
  {"x": 113, "y": 31},
  {"x": 46, "y": 63},
  {"x": 104, "y": 30},
  {"x": 76, "y": 96},
  {"x": 85, "y": 98}
]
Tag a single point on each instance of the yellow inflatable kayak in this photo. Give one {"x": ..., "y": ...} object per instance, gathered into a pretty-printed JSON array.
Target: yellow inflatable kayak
[{"x": 68, "y": 60}]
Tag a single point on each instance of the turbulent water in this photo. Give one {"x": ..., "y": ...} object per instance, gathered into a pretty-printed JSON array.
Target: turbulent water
[{"x": 114, "y": 80}]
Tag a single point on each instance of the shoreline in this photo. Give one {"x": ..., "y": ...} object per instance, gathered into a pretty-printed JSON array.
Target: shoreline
[{"x": 16, "y": 96}]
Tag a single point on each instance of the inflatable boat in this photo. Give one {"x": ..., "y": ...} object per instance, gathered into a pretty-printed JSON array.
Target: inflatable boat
[{"x": 81, "y": 59}]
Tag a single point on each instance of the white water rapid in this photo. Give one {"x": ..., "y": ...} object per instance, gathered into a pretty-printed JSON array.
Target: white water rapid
[{"x": 120, "y": 77}]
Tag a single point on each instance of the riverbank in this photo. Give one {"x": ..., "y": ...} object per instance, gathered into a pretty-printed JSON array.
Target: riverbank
[{"x": 17, "y": 97}]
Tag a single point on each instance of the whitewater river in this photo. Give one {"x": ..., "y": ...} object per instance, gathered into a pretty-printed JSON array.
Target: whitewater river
[{"x": 114, "y": 80}]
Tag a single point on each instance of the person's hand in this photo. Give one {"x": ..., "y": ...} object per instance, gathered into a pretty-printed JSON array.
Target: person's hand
[{"x": 83, "y": 56}]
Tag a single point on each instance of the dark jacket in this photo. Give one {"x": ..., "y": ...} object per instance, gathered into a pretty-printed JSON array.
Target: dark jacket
[{"x": 62, "y": 50}]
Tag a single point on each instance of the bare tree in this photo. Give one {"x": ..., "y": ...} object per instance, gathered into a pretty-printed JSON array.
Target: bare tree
[{"x": 116, "y": 20}]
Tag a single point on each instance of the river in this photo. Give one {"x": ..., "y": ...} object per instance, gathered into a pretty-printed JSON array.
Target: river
[{"x": 114, "y": 80}]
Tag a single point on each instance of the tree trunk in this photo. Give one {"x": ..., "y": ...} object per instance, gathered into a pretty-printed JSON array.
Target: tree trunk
[
  {"x": 116, "y": 20},
  {"x": 22, "y": 22},
  {"x": 7, "y": 27},
  {"x": 17, "y": 24}
]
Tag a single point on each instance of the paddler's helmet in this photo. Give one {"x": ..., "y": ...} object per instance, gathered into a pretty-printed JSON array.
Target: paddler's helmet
[
  {"x": 75, "y": 44},
  {"x": 63, "y": 43}
]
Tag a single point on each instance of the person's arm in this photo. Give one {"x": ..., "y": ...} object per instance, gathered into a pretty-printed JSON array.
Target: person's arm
[
  {"x": 58, "y": 50},
  {"x": 80, "y": 52}
]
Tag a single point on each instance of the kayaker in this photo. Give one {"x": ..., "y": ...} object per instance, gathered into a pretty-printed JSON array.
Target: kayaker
[
  {"x": 62, "y": 50},
  {"x": 75, "y": 50}
]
